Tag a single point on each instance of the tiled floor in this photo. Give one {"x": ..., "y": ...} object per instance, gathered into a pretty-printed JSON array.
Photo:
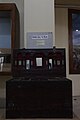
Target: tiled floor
[{"x": 76, "y": 111}]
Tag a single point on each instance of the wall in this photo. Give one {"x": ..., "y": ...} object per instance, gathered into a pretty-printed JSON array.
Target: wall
[
  {"x": 61, "y": 37},
  {"x": 38, "y": 17},
  {"x": 3, "y": 80}
]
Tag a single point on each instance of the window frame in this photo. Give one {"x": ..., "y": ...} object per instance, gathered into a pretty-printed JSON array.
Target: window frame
[{"x": 71, "y": 68}]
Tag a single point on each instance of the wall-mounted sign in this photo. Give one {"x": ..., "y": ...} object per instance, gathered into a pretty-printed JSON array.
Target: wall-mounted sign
[{"x": 39, "y": 40}]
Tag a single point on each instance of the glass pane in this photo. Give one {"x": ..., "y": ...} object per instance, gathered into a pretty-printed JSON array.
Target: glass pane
[
  {"x": 76, "y": 40},
  {"x": 5, "y": 41}
]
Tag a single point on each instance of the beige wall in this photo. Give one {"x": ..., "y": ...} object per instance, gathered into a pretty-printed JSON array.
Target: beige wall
[
  {"x": 38, "y": 17},
  {"x": 3, "y": 80},
  {"x": 61, "y": 37}
]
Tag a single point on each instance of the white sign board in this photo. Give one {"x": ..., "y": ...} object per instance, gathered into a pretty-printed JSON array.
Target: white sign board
[{"x": 39, "y": 40}]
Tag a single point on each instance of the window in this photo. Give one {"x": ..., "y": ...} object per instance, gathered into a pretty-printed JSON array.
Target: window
[
  {"x": 74, "y": 41},
  {"x": 5, "y": 41},
  {"x": 9, "y": 35}
]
